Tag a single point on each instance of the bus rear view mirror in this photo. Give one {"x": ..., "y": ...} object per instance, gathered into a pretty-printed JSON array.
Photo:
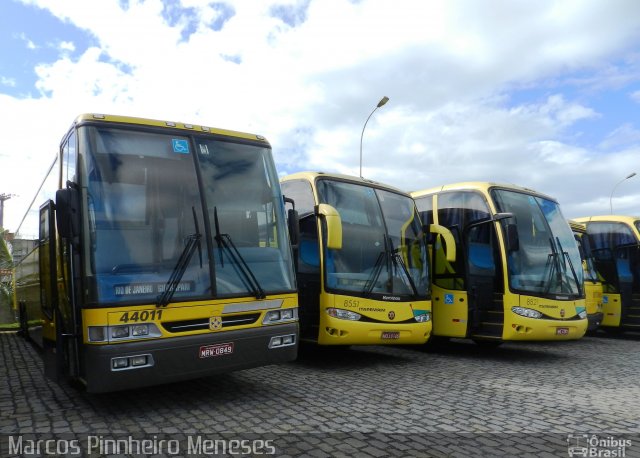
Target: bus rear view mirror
[
  {"x": 333, "y": 225},
  {"x": 513, "y": 241},
  {"x": 293, "y": 222},
  {"x": 68, "y": 213}
]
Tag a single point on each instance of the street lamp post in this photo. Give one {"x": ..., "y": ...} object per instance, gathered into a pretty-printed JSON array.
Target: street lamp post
[
  {"x": 382, "y": 101},
  {"x": 631, "y": 175}
]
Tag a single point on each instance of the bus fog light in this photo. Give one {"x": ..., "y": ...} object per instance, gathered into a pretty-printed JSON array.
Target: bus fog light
[
  {"x": 288, "y": 340},
  {"x": 118, "y": 332},
  {"x": 120, "y": 363},
  {"x": 282, "y": 341},
  {"x": 140, "y": 330},
  {"x": 528, "y": 313},
  {"x": 139, "y": 360},
  {"x": 97, "y": 334}
]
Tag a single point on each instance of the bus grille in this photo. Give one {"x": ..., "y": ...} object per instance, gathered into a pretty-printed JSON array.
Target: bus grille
[{"x": 203, "y": 323}]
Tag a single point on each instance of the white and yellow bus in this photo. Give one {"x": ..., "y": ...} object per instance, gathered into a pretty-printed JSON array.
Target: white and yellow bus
[
  {"x": 362, "y": 263},
  {"x": 162, "y": 254},
  {"x": 517, "y": 273},
  {"x": 615, "y": 242}
]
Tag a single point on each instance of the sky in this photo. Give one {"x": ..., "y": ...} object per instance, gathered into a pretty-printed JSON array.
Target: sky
[{"x": 542, "y": 94}]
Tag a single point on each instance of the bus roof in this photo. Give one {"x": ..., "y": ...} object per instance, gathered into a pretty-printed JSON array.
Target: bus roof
[
  {"x": 312, "y": 176},
  {"x": 577, "y": 226},
  {"x": 630, "y": 220},
  {"x": 483, "y": 186},
  {"x": 105, "y": 118}
]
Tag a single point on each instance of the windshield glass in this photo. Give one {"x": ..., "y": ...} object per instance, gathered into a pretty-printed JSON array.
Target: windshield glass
[
  {"x": 614, "y": 247},
  {"x": 546, "y": 260},
  {"x": 144, "y": 205},
  {"x": 246, "y": 208},
  {"x": 588, "y": 263},
  {"x": 383, "y": 249}
]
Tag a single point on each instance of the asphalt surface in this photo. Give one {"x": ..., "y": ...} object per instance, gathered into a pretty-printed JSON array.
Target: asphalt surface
[{"x": 539, "y": 399}]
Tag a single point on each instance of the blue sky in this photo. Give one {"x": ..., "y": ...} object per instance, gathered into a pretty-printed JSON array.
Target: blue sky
[{"x": 542, "y": 94}]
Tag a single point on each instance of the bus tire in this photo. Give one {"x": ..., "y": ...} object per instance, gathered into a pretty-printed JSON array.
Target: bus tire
[{"x": 23, "y": 320}]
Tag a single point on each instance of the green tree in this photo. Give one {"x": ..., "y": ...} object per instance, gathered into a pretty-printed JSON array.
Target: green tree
[{"x": 6, "y": 264}]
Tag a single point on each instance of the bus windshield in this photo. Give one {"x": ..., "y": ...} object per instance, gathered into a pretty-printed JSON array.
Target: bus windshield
[
  {"x": 383, "y": 248},
  {"x": 142, "y": 192},
  {"x": 546, "y": 260}
]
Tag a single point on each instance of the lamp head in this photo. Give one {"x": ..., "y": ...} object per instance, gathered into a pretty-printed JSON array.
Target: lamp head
[
  {"x": 631, "y": 175},
  {"x": 385, "y": 99}
]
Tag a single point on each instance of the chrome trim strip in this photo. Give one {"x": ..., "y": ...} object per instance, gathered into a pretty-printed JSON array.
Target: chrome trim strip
[{"x": 252, "y": 306}]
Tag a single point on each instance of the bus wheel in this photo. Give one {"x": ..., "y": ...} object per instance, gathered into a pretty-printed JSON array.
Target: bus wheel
[
  {"x": 437, "y": 341},
  {"x": 23, "y": 321}
]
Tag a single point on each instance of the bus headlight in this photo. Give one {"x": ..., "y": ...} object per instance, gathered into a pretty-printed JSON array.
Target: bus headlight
[
  {"x": 123, "y": 332},
  {"x": 344, "y": 314},
  {"x": 423, "y": 318},
  {"x": 119, "y": 332},
  {"x": 528, "y": 313},
  {"x": 582, "y": 314},
  {"x": 280, "y": 316}
]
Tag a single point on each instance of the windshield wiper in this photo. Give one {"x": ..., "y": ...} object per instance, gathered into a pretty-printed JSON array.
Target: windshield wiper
[
  {"x": 193, "y": 242},
  {"x": 224, "y": 241},
  {"x": 375, "y": 273},
  {"x": 397, "y": 258},
  {"x": 573, "y": 271},
  {"x": 552, "y": 266}
]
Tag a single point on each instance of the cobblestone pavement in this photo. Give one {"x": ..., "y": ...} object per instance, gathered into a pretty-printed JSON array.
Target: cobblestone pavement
[{"x": 459, "y": 400}]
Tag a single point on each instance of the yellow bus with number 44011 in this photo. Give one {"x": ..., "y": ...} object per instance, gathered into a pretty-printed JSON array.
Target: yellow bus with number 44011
[{"x": 162, "y": 254}]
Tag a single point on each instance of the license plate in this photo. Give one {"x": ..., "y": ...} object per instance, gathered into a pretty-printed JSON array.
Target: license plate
[
  {"x": 390, "y": 335},
  {"x": 562, "y": 331},
  {"x": 208, "y": 351}
]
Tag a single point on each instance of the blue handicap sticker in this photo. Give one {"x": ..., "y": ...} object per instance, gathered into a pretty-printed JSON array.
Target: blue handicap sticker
[
  {"x": 605, "y": 299},
  {"x": 448, "y": 298},
  {"x": 180, "y": 146}
]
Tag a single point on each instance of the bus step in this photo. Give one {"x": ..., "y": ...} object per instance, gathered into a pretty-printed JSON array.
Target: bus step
[{"x": 486, "y": 336}]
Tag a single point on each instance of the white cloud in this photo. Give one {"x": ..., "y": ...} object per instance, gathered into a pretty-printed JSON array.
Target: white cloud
[
  {"x": 308, "y": 78},
  {"x": 9, "y": 82}
]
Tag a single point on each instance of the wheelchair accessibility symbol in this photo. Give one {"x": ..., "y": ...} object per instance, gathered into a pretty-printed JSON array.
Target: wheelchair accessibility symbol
[
  {"x": 448, "y": 298},
  {"x": 180, "y": 146}
]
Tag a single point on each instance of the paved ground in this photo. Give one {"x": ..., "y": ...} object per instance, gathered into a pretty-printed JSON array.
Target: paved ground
[{"x": 460, "y": 400}]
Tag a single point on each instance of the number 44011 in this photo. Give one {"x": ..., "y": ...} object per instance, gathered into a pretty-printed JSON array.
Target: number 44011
[{"x": 144, "y": 315}]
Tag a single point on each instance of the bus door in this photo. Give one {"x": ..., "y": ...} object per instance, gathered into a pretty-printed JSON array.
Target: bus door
[
  {"x": 612, "y": 250},
  {"x": 626, "y": 259},
  {"x": 486, "y": 316},
  {"x": 60, "y": 336}
]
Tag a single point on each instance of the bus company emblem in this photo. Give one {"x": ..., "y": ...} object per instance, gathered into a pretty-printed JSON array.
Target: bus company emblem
[
  {"x": 562, "y": 313},
  {"x": 215, "y": 323},
  {"x": 391, "y": 315}
]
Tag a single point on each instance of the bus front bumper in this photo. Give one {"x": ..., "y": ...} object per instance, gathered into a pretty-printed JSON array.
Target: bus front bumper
[
  {"x": 186, "y": 357},
  {"x": 336, "y": 331},
  {"x": 522, "y": 328}
]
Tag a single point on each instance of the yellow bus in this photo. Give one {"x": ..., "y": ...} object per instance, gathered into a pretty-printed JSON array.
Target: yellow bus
[
  {"x": 615, "y": 242},
  {"x": 162, "y": 255},
  {"x": 517, "y": 272},
  {"x": 362, "y": 262},
  {"x": 592, "y": 284}
]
